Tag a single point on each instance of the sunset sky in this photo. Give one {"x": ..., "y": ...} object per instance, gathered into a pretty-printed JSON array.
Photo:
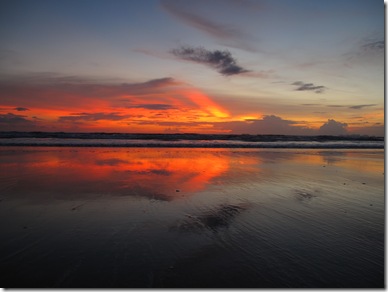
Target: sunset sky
[{"x": 300, "y": 67}]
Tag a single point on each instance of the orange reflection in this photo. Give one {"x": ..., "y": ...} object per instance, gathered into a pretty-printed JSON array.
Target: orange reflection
[
  {"x": 163, "y": 174},
  {"x": 186, "y": 171},
  {"x": 67, "y": 173}
]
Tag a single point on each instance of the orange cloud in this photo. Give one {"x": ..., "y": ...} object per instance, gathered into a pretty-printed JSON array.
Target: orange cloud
[
  {"x": 205, "y": 103},
  {"x": 155, "y": 106},
  {"x": 83, "y": 105}
]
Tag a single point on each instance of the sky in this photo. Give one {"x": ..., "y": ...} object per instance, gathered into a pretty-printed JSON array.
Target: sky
[{"x": 300, "y": 67}]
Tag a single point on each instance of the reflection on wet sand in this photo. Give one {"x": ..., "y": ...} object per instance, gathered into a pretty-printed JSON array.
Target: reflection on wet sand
[
  {"x": 368, "y": 161},
  {"x": 158, "y": 174},
  {"x": 168, "y": 218}
]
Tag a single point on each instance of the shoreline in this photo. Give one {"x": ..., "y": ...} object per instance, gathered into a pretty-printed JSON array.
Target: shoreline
[{"x": 264, "y": 145}]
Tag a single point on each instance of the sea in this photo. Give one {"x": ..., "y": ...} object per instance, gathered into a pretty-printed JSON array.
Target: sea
[{"x": 188, "y": 140}]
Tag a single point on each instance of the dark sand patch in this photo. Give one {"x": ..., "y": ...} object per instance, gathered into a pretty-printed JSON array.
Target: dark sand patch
[{"x": 214, "y": 219}]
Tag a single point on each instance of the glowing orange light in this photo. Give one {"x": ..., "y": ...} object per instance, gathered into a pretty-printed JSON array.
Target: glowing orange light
[
  {"x": 147, "y": 171},
  {"x": 205, "y": 103}
]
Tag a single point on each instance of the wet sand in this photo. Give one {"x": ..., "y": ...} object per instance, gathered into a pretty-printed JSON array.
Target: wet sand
[{"x": 191, "y": 218}]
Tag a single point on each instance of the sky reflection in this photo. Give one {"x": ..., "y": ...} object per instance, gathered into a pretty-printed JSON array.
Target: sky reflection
[
  {"x": 165, "y": 217},
  {"x": 69, "y": 173},
  {"x": 158, "y": 174}
]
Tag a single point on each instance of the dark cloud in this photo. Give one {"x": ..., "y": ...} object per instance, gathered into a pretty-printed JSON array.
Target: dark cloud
[
  {"x": 275, "y": 125},
  {"x": 308, "y": 87},
  {"x": 153, "y": 106},
  {"x": 10, "y": 118},
  {"x": 332, "y": 127},
  {"x": 336, "y": 105},
  {"x": 37, "y": 90},
  {"x": 12, "y": 122},
  {"x": 352, "y": 106},
  {"x": 87, "y": 117},
  {"x": 277, "y": 120},
  {"x": 159, "y": 82},
  {"x": 170, "y": 123},
  {"x": 77, "y": 83},
  {"x": 374, "y": 46},
  {"x": 361, "y": 106},
  {"x": 45, "y": 78},
  {"x": 268, "y": 125},
  {"x": 21, "y": 109},
  {"x": 222, "y": 61},
  {"x": 369, "y": 51},
  {"x": 107, "y": 89},
  {"x": 111, "y": 161}
]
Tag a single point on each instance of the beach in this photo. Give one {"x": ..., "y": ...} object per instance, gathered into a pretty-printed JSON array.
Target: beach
[{"x": 101, "y": 217}]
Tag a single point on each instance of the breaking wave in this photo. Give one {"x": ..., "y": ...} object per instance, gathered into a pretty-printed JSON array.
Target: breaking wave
[{"x": 188, "y": 140}]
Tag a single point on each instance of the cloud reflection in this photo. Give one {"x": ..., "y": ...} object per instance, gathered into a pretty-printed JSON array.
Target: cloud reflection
[
  {"x": 44, "y": 175},
  {"x": 159, "y": 174}
]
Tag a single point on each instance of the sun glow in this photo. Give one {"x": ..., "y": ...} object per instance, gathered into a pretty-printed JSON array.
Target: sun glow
[{"x": 205, "y": 103}]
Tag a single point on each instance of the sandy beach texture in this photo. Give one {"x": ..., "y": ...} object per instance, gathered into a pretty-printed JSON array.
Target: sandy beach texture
[{"x": 190, "y": 218}]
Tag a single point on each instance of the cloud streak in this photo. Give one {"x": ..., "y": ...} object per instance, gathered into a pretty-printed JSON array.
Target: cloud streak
[
  {"x": 59, "y": 92},
  {"x": 357, "y": 107},
  {"x": 222, "y": 61},
  {"x": 301, "y": 86},
  {"x": 21, "y": 109},
  {"x": 232, "y": 35},
  {"x": 154, "y": 106},
  {"x": 88, "y": 117},
  {"x": 369, "y": 52},
  {"x": 361, "y": 106},
  {"x": 199, "y": 22},
  {"x": 374, "y": 46}
]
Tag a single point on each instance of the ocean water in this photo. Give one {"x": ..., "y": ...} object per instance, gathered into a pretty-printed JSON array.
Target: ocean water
[
  {"x": 119, "y": 217},
  {"x": 188, "y": 140}
]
